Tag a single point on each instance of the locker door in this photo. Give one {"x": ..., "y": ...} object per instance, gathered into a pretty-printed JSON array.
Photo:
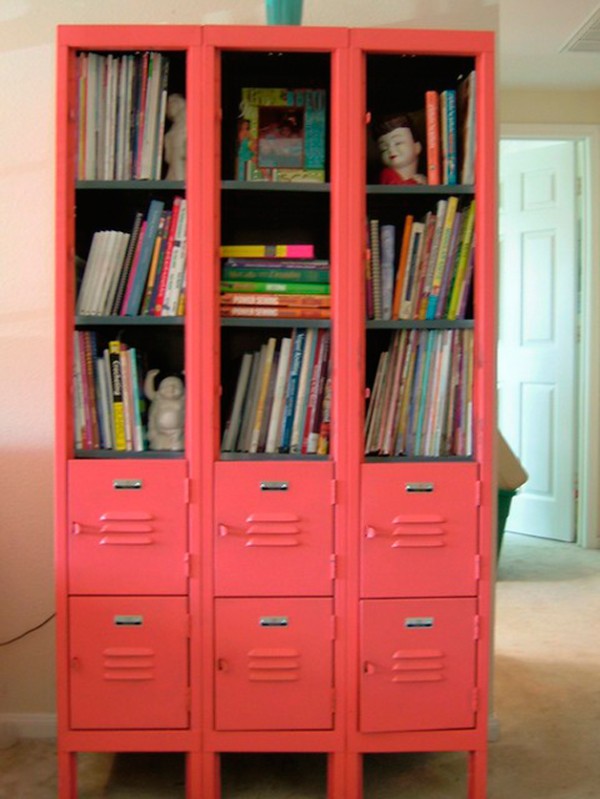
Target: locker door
[
  {"x": 274, "y": 666},
  {"x": 419, "y": 529},
  {"x": 418, "y": 664},
  {"x": 128, "y": 663},
  {"x": 128, "y": 527},
  {"x": 274, "y": 533}
]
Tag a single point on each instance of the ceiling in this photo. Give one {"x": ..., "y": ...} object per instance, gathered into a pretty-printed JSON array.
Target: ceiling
[{"x": 531, "y": 36}]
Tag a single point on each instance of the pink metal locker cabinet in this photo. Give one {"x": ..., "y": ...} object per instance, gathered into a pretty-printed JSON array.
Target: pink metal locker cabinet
[
  {"x": 128, "y": 658},
  {"x": 274, "y": 664},
  {"x": 419, "y": 530},
  {"x": 418, "y": 664},
  {"x": 127, "y": 527},
  {"x": 274, "y": 529}
]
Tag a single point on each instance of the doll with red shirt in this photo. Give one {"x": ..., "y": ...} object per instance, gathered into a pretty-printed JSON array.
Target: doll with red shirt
[{"x": 399, "y": 151}]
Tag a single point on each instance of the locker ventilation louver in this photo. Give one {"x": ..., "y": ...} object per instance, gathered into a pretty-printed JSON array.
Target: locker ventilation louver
[
  {"x": 128, "y": 663},
  {"x": 274, "y": 665},
  {"x": 418, "y": 665}
]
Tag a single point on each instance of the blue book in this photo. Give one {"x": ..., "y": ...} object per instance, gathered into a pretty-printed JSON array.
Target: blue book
[
  {"x": 141, "y": 272},
  {"x": 292, "y": 390},
  {"x": 449, "y": 150}
]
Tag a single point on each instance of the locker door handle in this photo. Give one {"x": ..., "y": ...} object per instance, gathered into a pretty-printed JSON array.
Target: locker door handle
[
  {"x": 223, "y": 530},
  {"x": 222, "y": 665},
  {"x": 76, "y": 528},
  {"x": 370, "y": 532},
  {"x": 368, "y": 668}
]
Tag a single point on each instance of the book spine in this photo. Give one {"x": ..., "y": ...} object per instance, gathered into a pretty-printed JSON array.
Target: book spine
[
  {"x": 262, "y": 396},
  {"x": 264, "y": 287},
  {"x": 281, "y": 380},
  {"x": 141, "y": 273},
  {"x": 273, "y": 312},
  {"x": 267, "y": 251},
  {"x": 286, "y": 275},
  {"x": 303, "y": 390},
  {"x": 449, "y": 150},
  {"x": 295, "y": 264},
  {"x": 432, "y": 136},
  {"x": 284, "y": 300},
  {"x": 114, "y": 351},
  {"x": 292, "y": 391}
]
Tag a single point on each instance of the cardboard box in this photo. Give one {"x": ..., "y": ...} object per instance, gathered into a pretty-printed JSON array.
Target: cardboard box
[{"x": 511, "y": 473}]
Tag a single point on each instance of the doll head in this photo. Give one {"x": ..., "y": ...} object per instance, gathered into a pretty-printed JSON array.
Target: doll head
[{"x": 399, "y": 149}]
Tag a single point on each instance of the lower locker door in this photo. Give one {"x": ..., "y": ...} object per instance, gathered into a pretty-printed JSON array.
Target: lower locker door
[
  {"x": 418, "y": 664},
  {"x": 274, "y": 664},
  {"x": 128, "y": 663}
]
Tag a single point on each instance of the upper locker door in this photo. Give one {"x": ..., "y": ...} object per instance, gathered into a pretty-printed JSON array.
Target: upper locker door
[
  {"x": 274, "y": 529},
  {"x": 128, "y": 527},
  {"x": 419, "y": 530}
]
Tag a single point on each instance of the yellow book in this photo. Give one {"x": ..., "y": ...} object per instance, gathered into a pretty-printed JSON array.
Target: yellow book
[{"x": 116, "y": 382}]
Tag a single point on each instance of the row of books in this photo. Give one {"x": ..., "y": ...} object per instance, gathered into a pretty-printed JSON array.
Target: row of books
[
  {"x": 285, "y": 287},
  {"x": 140, "y": 272},
  {"x": 282, "y": 398},
  {"x": 434, "y": 265},
  {"x": 122, "y": 102},
  {"x": 421, "y": 400},
  {"x": 450, "y": 133},
  {"x": 108, "y": 396}
]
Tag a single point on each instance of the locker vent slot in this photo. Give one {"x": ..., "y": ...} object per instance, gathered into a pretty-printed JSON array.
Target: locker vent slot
[
  {"x": 129, "y": 664},
  {"x": 274, "y": 665},
  {"x": 418, "y": 665}
]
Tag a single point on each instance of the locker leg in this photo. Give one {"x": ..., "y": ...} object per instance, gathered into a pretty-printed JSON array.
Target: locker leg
[
  {"x": 478, "y": 774},
  {"x": 211, "y": 776},
  {"x": 193, "y": 776},
  {"x": 354, "y": 775},
  {"x": 67, "y": 775},
  {"x": 336, "y": 776}
]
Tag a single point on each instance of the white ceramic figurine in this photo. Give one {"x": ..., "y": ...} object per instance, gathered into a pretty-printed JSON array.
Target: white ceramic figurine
[
  {"x": 167, "y": 412},
  {"x": 176, "y": 138}
]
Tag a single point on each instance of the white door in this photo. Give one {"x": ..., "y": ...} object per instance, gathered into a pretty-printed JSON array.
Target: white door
[{"x": 537, "y": 330}]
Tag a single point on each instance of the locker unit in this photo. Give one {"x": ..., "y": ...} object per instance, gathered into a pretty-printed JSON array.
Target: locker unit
[{"x": 312, "y": 570}]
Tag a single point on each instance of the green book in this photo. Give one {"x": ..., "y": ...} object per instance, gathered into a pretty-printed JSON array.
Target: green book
[
  {"x": 267, "y": 287},
  {"x": 278, "y": 275}
]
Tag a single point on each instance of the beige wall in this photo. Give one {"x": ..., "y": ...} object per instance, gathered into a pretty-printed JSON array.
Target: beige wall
[{"x": 547, "y": 106}]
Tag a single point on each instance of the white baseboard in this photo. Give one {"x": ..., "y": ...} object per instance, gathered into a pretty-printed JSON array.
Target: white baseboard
[{"x": 26, "y": 725}]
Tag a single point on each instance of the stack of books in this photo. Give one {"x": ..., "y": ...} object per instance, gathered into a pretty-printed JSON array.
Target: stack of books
[
  {"x": 108, "y": 395},
  {"x": 421, "y": 400},
  {"x": 279, "y": 281},
  {"x": 282, "y": 398},
  {"x": 122, "y": 112},
  {"x": 141, "y": 272}
]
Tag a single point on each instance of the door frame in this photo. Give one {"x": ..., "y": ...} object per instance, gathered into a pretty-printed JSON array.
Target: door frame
[{"x": 588, "y": 377}]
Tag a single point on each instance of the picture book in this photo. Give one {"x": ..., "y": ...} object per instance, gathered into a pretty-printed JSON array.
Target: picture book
[{"x": 281, "y": 135}]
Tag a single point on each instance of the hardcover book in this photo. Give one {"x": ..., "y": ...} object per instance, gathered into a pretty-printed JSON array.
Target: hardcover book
[{"x": 281, "y": 135}]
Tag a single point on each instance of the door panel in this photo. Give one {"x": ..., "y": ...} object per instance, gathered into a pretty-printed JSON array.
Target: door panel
[
  {"x": 418, "y": 664},
  {"x": 274, "y": 664},
  {"x": 537, "y": 351},
  {"x": 419, "y": 529},
  {"x": 274, "y": 529},
  {"x": 128, "y": 663},
  {"x": 128, "y": 527}
]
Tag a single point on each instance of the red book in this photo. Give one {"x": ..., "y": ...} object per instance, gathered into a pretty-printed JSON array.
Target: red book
[{"x": 432, "y": 128}]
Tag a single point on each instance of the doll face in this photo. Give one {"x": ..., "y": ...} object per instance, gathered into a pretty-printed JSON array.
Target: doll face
[{"x": 399, "y": 150}]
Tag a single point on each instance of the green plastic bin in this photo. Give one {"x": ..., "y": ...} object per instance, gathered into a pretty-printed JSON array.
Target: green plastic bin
[{"x": 505, "y": 497}]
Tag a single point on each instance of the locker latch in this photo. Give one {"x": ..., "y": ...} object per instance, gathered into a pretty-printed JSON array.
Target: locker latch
[{"x": 274, "y": 485}]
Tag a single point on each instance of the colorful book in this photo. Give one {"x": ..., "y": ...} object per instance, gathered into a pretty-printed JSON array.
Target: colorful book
[
  {"x": 276, "y": 274},
  {"x": 449, "y": 143},
  {"x": 281, "y": 135},
  {"x": 143, "y": 265},
  {"x": 267, "y": 251},
  {"x": 289, "y": 300},
  {"x": 271, "y": 287},
  {"x": 274, "y": 312},
  {"x": 118, "y": 410},
  {"x": 432, "y": 136}
]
